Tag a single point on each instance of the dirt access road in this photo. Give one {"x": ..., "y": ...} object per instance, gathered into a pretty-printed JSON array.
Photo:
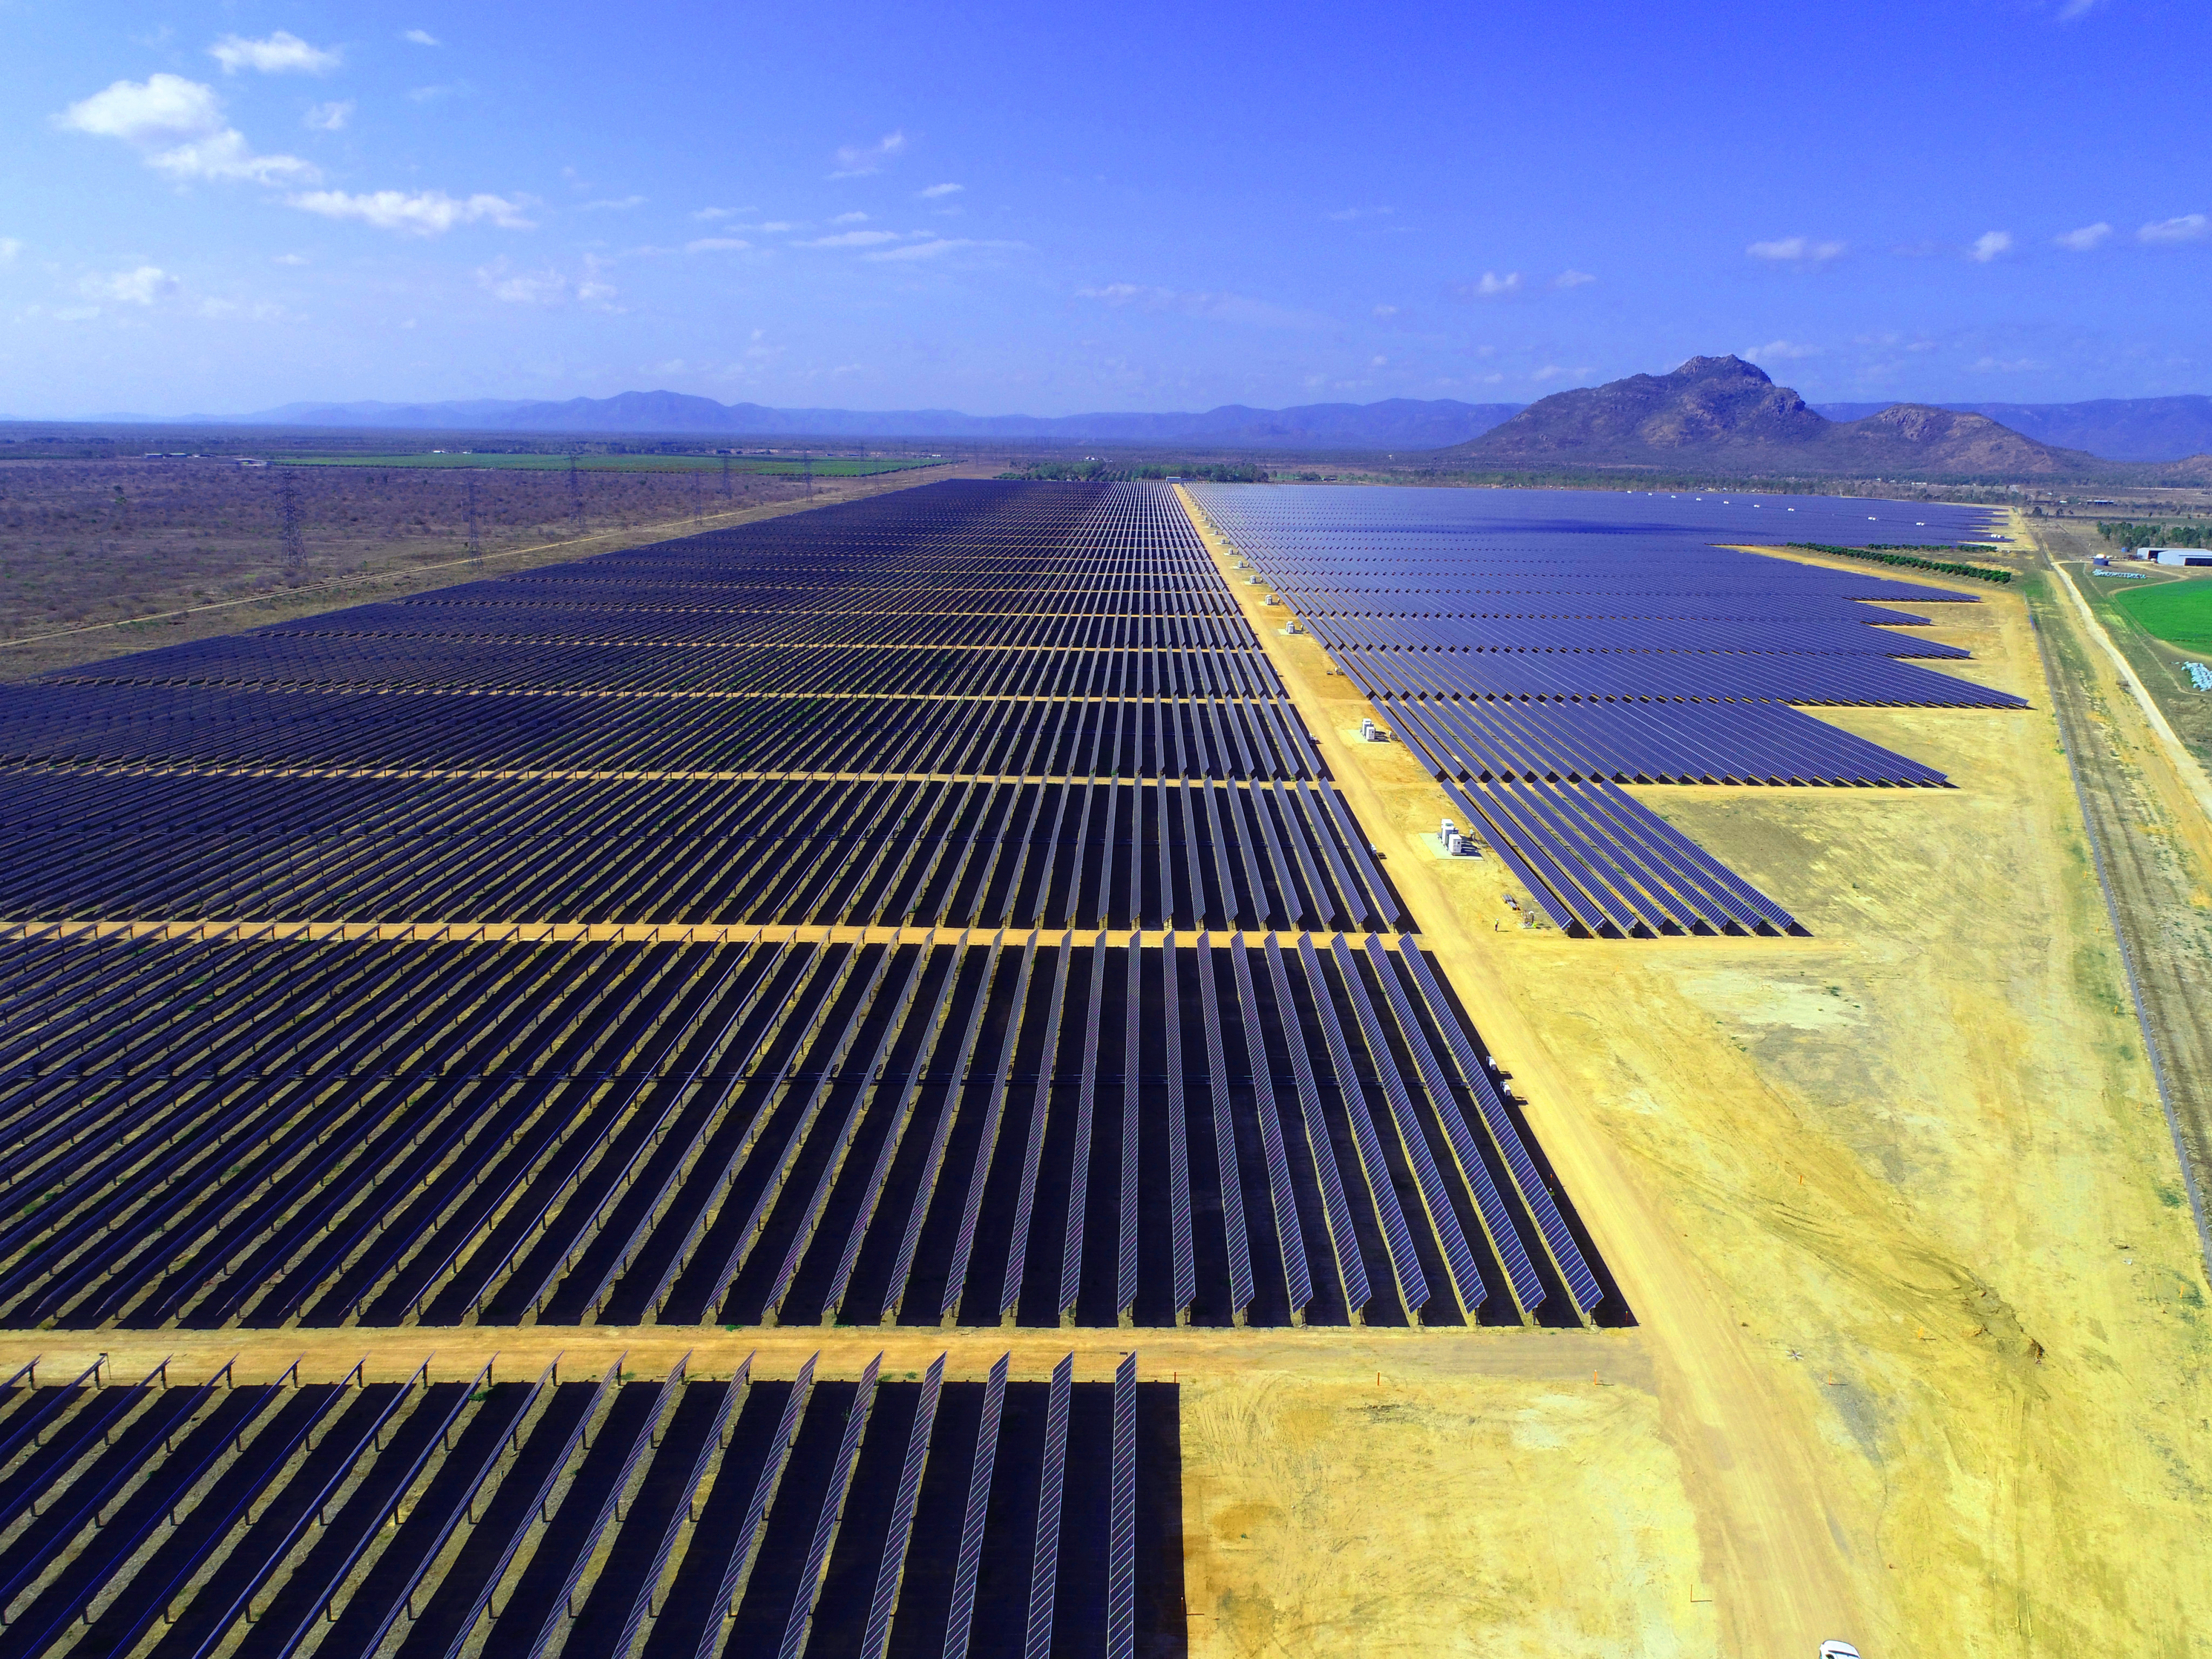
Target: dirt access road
[{"x": 2143, "y": 796}]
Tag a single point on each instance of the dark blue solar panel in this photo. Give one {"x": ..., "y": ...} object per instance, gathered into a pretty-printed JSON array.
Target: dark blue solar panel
[{"x": 1549, "y": 646}]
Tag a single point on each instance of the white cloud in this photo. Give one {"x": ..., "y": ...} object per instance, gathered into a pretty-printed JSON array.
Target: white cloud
[
  {"x": 612, "y": 205},
  {"x": 328, "y": 118},
  {"x": 281, "y": 53},
  {"x": 1797, "y": 251},
  {"x": 432, "y": 93},
  {"x": 1217, "y": 308},
  {"x": 522, "y": 287},
  {"x": 259, "y": 311},
  {"x": 2188, "y": 228},
  {"x": 855, "y": 159},
  {"x": 419, "y": 213},
  {"x": 717, "y": 245},
  {"x": 711, "y": 214},
  {"x": 178, "y": 127},
  {"x": 141, "y": 287},
  {"x": 1549, "y": 372},
  {"x": 1383, "y": 313},
  {"x": 854, "y": 218},
  {"x": 10, "y": 247},
  {"x": 853, "y": 239},
  {"x": 776, "y": 227},
  {"x": 933, "y": 249},
  {"x": 1779, "y": 351},
  {"x": 1573, "y": 279},
  {"x": 291, "y": 259},
  {"x": 1346, "y": 214},
  {"x": 1990, "y": 245},
  {"x": 420, "y": 37},
  {"x": 2004, "y": 365},
  {"x": 592, "y": 289},
  {"x": 2082, "y": 240},
  {"x": 936, "y": 191},
  {"x": 1492, "y": 286}
]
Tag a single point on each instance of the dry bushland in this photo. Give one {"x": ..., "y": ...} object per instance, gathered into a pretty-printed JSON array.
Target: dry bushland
[{"x": 92, "y": 541}]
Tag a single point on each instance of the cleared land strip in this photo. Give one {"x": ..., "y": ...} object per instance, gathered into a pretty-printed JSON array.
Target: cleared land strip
[
  {"x": 1378, "y": 1358},
  {"x": 232, "y": 930},
  {"x": 2150, "y": 880}
]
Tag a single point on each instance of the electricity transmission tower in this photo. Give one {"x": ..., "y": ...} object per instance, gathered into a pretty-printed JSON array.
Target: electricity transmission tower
[
  {"x": 295, "y": 544},
  {"x": 725, "y": 478},
  {"x": 475, "y": 543},
  {"x": 698, "y": 509},
  {"x": 575, "y": 495}
]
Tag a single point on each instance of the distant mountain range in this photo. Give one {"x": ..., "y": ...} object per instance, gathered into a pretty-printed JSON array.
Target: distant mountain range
[
  {"x": 1724, "y": 415},
  {"x": 1397, "y": 423},
  {"x": 2139, "y": 429},
  {"x": 2117, "y": 428}
]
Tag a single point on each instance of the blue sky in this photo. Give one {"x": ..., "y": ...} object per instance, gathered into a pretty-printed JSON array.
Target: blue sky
[{"x": 998, "y": 209}]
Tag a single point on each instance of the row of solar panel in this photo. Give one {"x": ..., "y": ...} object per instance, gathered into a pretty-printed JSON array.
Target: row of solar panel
[
  {"x": 261, "y": 1133},
  {"x": 1597, "y": 602},
  {"x": 862, "y": 587},
  {"x": 1636, "y": 635},
  {"x": 266, "y": 661},
  {"x": 1643, "y": 742},
  {"x": 158, "y": 726},
  {"x": 602, "y": 850},
  {"x": 682, "y": 1519},
  {"x": 1011, "y": 629},
  {"x": 1710, "y": 676}
]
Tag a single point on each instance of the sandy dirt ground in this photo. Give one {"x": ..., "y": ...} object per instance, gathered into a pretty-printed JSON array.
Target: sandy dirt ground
[{"x": 1895, "y": 1205}]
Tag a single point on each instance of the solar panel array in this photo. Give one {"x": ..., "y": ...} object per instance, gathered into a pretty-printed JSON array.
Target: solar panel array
[
  {"x": 1538, "y": 649},
  {"x": 324, "y": 1043},
  {"x": 927, "y": 911},
  {"x": 677, "y": 1519}
]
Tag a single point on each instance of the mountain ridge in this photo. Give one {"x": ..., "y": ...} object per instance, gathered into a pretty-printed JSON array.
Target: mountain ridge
[
  {"x": 1399, "y": 422},
  {"x": 1723, "y": 413},
  {"x": 2145, "y": 430}
]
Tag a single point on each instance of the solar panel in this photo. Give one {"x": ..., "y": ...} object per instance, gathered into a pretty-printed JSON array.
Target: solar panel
[
  {"x": 1044, "y": 1567},
  {"x": 1121, "y": 1535}
]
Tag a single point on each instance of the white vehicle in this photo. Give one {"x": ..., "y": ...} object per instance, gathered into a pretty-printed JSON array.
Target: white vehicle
[{"x": 1838, "y": 1650}]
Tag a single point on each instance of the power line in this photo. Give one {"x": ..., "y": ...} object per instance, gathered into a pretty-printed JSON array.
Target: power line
[{"x": 295, "y": 544}]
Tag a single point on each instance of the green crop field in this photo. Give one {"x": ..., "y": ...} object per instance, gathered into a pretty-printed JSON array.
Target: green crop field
[
  {"x": 2178, "y": 612},
  {"x": 824, "y": 466}
]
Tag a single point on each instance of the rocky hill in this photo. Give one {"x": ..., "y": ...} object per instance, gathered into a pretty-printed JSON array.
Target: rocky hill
[{"x": 1723, "y": 414}]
